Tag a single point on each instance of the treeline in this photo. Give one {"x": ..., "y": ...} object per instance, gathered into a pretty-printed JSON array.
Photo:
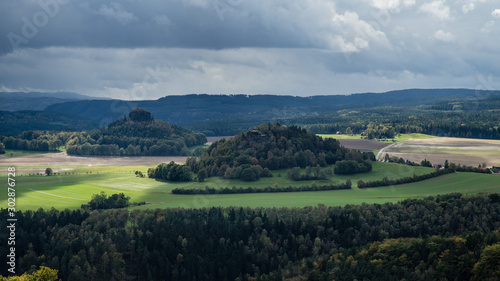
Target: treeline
[
  {"x": 268, "y": 189},
  {"x": 250, "y": 244},
  {"x": 375, "y": 122},
  {"x": 481, "y": 168},
  {"x": 387, "y": 182},
  {"x": 273, "y": 147},
  {"x": 36, "y": 140},
  {"x": 136, "y": 135},
  {"x": 482, "y": 125}
]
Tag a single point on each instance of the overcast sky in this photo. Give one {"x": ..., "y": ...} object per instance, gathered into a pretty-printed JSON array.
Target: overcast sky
[{"x": 152, "y": 48}]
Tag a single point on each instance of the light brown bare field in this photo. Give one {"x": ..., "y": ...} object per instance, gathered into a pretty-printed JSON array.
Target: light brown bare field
[
  {"x": 61, "y": 159},
  {"x": 363, "y": 145},
  {"x": 471, "y": 152}
]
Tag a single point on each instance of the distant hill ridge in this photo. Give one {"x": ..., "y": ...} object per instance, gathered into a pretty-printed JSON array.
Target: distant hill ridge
[
  {"x": 191, "y": 108},
  {"x": 14, "y": 101}
]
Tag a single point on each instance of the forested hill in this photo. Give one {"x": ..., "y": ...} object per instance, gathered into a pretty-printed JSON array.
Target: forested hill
[
  {"x": 272, "y": 147},
  {"x": 138, "y": 134},
  {"x": 190, "y": 108}
]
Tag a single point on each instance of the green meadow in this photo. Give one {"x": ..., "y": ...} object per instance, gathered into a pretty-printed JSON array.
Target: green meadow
[{"x": 70, "y": 189}]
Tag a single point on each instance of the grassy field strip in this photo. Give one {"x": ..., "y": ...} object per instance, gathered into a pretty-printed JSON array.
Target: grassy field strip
[
  {"x": 56, "y": 195},
  {"x": 33, "y": 192}
]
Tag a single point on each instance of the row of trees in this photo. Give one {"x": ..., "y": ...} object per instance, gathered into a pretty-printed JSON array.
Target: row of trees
[
  {"x": 42, "y": 141},
  {"x": 414, "y": 178},
  {"x": 264, "y": 243},
  {"x": 447, "y": 165},
  {"x": 268, "y": 189},
  {"x": 160, "y": 148}
]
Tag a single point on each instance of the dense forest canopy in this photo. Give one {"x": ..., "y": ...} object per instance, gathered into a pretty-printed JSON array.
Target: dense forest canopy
[
  {"x": 14, "y": 123},
  {"x": 36, "y": 140},
  {"x": 449, "y": 237}
]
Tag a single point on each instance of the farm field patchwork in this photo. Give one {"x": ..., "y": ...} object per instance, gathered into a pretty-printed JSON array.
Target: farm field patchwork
[
  {"x": 471, "y": 152},
  {"x": 78, "y": 185},
  {"x": 62, "y": 159},
  {"x": 357, "y": 142}
]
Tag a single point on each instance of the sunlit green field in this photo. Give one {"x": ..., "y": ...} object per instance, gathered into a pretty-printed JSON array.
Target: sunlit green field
[{"x": 76, "y": 187}]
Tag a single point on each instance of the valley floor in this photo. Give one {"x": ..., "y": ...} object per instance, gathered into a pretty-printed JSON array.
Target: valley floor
[{"x": 71, "y": 188}]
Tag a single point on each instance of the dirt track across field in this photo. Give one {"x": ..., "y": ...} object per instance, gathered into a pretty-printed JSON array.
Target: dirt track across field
[
  {"x": 61, "y": 159},
  {"x": 463, "y": 151},
  {"x": 363, "y": 145}
]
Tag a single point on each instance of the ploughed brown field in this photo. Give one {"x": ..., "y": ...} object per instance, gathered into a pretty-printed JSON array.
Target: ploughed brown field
[{"x": 471, "y": 152}]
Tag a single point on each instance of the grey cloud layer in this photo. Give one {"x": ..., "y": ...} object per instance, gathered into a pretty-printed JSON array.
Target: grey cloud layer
[{"x": 240, "y": 46}]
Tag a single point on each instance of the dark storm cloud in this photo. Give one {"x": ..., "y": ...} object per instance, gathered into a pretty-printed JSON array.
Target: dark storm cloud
[
  {"x": 129, "y": 24},
  {"x": 306, "y": 47}
]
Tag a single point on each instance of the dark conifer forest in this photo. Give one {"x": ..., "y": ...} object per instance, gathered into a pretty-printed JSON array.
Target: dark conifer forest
[{"x": 449, "y": 237}]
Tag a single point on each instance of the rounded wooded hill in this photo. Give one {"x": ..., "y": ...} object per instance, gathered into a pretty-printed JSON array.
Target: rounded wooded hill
[
  {"x": 273, "y": 146},
  {"x": 135, "y": 135}
]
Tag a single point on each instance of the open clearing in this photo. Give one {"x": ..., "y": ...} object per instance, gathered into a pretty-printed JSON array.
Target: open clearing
[
  {"x": 470, "y": 152},
  {"x": 78, "y": 185}
]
